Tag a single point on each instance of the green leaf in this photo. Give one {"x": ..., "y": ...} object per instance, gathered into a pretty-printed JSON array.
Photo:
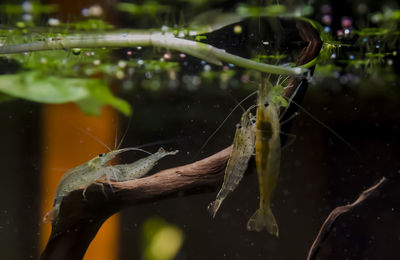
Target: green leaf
[
  {"x": 44, "y": 89},
  {"x": 101, "y": 95},
  {"x": 89, "y": 94}
]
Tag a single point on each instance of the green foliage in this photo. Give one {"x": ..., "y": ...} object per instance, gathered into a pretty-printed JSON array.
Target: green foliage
[
  {"x": 151, "y": 8},
  {"x": 90, "y": 94},
  {"x": 90, "y": 25},
  {"x": 161, "y": 241},
  {"x": 33, "y": 8}
]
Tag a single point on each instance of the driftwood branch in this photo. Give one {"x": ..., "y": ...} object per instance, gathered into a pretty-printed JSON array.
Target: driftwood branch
[
  {"x": 79, "y": 220},
  {"x": 330, "y": 220}
]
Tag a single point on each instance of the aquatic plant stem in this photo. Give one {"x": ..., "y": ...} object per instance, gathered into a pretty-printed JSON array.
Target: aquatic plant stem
[{"x": 156, "y": 39}]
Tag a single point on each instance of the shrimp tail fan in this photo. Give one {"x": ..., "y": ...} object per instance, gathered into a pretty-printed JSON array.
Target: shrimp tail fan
[{"x": 263, "y": 219}]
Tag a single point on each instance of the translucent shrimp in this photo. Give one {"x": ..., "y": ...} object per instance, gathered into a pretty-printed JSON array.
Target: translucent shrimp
[
  {"x": 83, "y": 175},
  {"x": 243, "y": 149},
  {"x": 268, "y": 154},
  {"x": 139, "y": 168}
]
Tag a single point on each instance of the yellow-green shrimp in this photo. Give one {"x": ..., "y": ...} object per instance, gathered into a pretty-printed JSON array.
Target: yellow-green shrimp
[
  {"x": 243, "y": 149},
  {"x": 268, "y": 153}
]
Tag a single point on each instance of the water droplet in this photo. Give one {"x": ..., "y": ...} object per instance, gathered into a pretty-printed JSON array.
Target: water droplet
[
  {"x": 333, "y": 56},
  {"x": 347, "y": 31},
  {"x": 140, "y": 62},
  {"x": 139, "y": 47},
  {"x": 327, "y": 29},
  {"x": 76, "y": 51},
  {"x": 377, "y": 46},
  {"x": 351, "y": 57},
  {"x": 207, "y": 67}
]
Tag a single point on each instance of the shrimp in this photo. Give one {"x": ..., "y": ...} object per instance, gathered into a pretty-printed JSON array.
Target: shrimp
[
  {"x": 83, "y": 175},
  {"x": 139, "y": 168},
  {"x": 243, "y": 149},
  {"x": 268, "y": 153}
]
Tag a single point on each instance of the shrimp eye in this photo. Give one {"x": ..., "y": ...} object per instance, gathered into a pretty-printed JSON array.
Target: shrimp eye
[
  {"x": 265, "y": 104},
  {"x": 102, "y": 154}
]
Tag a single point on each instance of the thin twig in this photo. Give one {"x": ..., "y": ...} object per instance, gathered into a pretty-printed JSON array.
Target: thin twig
[{"x": 330, "y": 220}]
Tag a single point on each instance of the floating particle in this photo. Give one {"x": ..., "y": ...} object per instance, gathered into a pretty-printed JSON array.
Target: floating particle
[
  {"x": 237, "y": 29},
  {"x": 124, "y": 34},
  {"x": 347, "y": 31},
  {"x": 139, "y": 47},
  {"x": 327, "y": 29},
  {"x": 129, "y": 53},
  {"x": 140, "y": 62},
  {"x": 96, "y": 62},
  {"x": 182, "y": 55}
]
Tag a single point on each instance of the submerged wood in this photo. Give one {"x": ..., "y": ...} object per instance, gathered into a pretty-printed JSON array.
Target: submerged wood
[
  {"x": 80, "y": 220},
  {"x": 337, "y": 212}
]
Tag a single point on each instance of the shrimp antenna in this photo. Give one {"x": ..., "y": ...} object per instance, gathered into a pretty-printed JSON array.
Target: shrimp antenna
[
  {"x": 125, "y": 133},
  {"x": 324, "y": 125},
  {"x": 223, "y": 122},
  {"x": 94, "y": 137},
  {"x": 159, "y": 142}
]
